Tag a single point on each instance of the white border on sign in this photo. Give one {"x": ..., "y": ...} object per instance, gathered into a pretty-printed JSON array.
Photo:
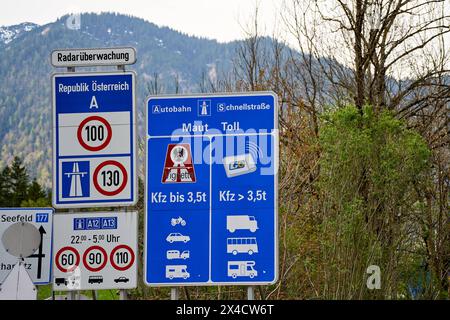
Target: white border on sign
[
  {"x": 55, "y": 193},
  {"x": 112, "y": 214},
  {"x": 276, "y": 148},
  {"x": 97, "y": 63}
]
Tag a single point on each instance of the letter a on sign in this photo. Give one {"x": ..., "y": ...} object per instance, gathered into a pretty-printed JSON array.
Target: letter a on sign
[
  {"x": 93, "y": 103},
  {"x": 178, "y": 167}
]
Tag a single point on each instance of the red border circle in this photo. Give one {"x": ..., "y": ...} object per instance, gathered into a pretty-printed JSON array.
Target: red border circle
[
  {"x": 77, "y": 256},
  {"x": 108, "y": 137},
  {"x": 113, "y": 263},
  {"x": 102, "y": 265},
  {"x": 122, "y": 186}
]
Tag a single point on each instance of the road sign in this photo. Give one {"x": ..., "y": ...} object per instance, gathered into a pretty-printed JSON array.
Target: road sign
[
  {"x": 94, "y": 140},
  {"x": 93, "y": 57},
  {"x": 20, "y": 225},
  {"x": 212, "y": 217},
  {"x": 96, "y": 250},
  {"x": 18, "y": 285},
  {"x": 178, "y": 166}
]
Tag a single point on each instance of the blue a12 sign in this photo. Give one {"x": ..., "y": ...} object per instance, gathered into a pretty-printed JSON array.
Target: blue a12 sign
[
  {"x": 94, "y": 139},
  {"x": 211, "y": 189}
]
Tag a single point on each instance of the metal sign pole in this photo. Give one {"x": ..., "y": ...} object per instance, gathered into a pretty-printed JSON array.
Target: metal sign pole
[
  {"x": 72, "y": 295},
  {"x": 174, "y": 294},
  {"x": 123, "y": 294},
  {"x": 250, "y": 293}
]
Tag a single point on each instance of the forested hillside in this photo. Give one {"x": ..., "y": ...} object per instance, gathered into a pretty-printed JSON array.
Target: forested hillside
[{"x": 167, "y": 61}]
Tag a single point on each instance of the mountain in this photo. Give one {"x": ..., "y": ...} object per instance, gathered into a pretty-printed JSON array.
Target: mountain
[
  {"x": 25, "y": 106},
  {"x": 10, "y": 33}
]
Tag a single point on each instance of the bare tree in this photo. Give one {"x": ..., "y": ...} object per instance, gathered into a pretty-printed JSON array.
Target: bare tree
[
  {"x": 251, "y": 57},
  {"x": 154, "y": 87},
  {"x": 366, "y": 46},
  {"x": 389, "y": 55}
]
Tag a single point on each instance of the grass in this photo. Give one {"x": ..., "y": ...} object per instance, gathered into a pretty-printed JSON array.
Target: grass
[{"x": 45, "y": 292}]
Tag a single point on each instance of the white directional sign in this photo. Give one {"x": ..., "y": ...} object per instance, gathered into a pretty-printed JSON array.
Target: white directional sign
[
  {"x": 96, "y": 250},
  {"x": 35, "y": 223},
  {"x": 94, "y": 140},
  {"x": 93, "y": 57}
]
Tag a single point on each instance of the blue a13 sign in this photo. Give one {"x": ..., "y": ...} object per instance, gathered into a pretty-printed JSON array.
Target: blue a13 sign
[
  {"x": 94, "y": 139},
  {"x": 211, "y": 189}
]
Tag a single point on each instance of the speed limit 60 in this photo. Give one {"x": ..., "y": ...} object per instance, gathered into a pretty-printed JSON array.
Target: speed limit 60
[{"x": 67, "y": 259}]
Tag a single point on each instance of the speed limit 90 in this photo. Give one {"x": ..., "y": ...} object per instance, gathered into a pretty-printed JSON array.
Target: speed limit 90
[{"x": 94, "y": 258}]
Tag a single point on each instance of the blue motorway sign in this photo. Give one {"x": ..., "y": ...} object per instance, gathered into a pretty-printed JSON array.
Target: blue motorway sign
[
  {"x": 94, "y": 139},
  {"x": 211, "y": 189}
]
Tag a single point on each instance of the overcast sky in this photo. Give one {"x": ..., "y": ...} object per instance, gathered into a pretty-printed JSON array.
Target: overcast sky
[
  {"x": 222, "y": 20},
  {"x": 215, "y": 19}
]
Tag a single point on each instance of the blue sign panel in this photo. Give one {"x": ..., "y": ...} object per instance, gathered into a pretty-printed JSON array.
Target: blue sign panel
[
  {"x": 41, "y": 217},
  {"x": 94, "y": 137},
  {"x": 94, "y": 223},
  {"x": 211, "y": 189}
]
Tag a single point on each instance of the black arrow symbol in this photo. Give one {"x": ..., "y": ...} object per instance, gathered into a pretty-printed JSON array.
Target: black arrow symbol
[{"x": 40, "y": 255}]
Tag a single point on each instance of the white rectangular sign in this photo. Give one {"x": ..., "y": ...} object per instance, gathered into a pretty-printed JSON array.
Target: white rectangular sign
[
  {"x": 69, "y": 144},
  {"x": 94, "y": 251},
  {"x": 93, "y": 57},
  {"x": 38, "y": 265}
]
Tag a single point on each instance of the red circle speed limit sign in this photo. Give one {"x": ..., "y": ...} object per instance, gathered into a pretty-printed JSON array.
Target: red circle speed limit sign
[
  {"x": 67, "y": 259},
  {"x": 95, "y": 258},
  {"x": 110, "y": 178},
  {"x": 94, "y": 133},
  {"x": 122, "y": 257}
]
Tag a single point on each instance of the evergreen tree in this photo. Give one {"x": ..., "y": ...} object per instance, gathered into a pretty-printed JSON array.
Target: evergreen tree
[
  {"x": 5, "y": 187},
  {"x": 19, "y": 183},
  {"x": 35, "y": 191}
]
